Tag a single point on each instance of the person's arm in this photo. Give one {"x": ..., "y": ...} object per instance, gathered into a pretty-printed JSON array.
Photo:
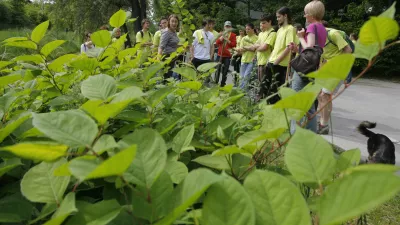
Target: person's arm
[
  {"x": 282, "y": 56},
  {"x": 346, "y": 50},
  {"x": 310, "y": 37},
  {"x": 191, "y": 52},
  {"x": 212, "y": 49},
  {"x": 163, "y": 42}
]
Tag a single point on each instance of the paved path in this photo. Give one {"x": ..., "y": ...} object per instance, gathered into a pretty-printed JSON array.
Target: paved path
[
  {"x": 373, "y": 100},
  {"x": 376, "y": 101}
]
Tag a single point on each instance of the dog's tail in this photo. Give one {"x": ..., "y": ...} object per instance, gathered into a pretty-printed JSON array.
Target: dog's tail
[{"x": 364, "y": 126}]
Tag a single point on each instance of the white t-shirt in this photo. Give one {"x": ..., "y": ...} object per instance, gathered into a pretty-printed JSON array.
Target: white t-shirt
[
  {"x": 202, "y": 51},
  {"x": 90, "y": 52}
]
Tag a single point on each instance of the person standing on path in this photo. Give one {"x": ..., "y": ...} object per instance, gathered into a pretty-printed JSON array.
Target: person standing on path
[
  {"x": 202, "y": 49},
  {"x": 264, "y": 44},
  {"x": 248, "y": 53},
  {"x": 169, "y": 43},
  {"x": 334, "y": 46},
  {"x": 279, "y": 59},
  {"x": 145, "y": 38},
  {"x": 315, "y": 34},
  {"x": 157, "y": 36},
  {"x": 225, "y": 43}
]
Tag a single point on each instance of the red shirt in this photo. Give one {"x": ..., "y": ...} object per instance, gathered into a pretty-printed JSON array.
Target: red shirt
[{"x": 231, "y": 44}]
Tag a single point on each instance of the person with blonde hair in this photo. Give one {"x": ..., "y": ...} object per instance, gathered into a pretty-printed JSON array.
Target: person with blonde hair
[{"x": 314, "y": 35}]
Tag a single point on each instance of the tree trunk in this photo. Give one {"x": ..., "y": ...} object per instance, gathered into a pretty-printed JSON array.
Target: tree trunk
[{"x": 139, "y": 12}]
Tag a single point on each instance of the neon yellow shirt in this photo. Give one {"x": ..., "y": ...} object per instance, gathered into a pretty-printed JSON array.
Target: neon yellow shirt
[
  {"x": 333, "y": 49},
  {"x": 284, "y": 37},
  {"x": 156, "y": 39},
  {"x": 266, "y": 37},
  {"x": 248, "y": 56}
]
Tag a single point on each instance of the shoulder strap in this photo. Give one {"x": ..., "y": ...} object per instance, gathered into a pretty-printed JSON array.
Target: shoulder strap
[
  {"x": 316, "y": 35},
  {"x": 141, "y": 33}
]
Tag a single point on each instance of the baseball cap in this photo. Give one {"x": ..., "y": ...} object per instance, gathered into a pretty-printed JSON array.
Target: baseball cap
[{"x": 228, "y": 23}]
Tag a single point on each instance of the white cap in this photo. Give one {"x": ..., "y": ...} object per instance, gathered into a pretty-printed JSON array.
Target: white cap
[{"x": 228, "y": 23}]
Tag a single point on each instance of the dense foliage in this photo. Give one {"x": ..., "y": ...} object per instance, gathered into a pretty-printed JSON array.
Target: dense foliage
[{"x": 102, "y": 141}]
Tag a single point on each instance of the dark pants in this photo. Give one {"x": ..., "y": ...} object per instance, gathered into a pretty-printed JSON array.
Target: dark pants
[
  {"x": 224, "y": 67},
  {"x": 171, "y": 66},
  {"x": 197, "y": 62},
  {"x": 274, "y": 77},
  {"x": 236, "y": 63}
]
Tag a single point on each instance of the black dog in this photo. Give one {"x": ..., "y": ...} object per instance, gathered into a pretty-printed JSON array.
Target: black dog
[{"x": 380, "y": 148}]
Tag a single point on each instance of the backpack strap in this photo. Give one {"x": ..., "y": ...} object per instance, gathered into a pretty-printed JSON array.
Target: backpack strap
[{"x": 329, "y": 39}]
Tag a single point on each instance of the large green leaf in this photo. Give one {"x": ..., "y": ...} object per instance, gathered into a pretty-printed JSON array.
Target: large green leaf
[
  {"x": 378, "y": 30},
  {"x": 228, "y": 150},
  {"x": 101, "y": 38},
  {"x": 228, "y": 203},
  {"x": 187, "y": 192},
  {"x": 390, "y": 12},
  {"x": 152, "y": 204},
  {"x": 11, "y": 126},
  {"x": 206, "y": 95},
  {"x": 255, "y": 136},
  {"x": 48, "y": 48},
  {"x": 118, "y": 19},
  {"x": 309, "y": 161},
  {"x": 41, "y": 151},
  {"x": 9, "y": 79},
  {"x": 177, "y": 171},
  {"x": 85, "y": 63},
  {"x": 151, "y": 156},
  {"x": 192, "y": 85},
  {"x": 15, "y": 209},
  {"x": 331, "y": 83},
  {"x": 156, "y": 97},
  {"x": 40, "y": 185},
  {"x": 100, "y": 213},
  {"x": 222, "y": 122},
  {"x": 105, "y": 142},
  {"x": 356, "y": 194},
  {"x": 187, "y": 72},
  {"x": 66, "y": 208},
  {"x": 5, "y": 63},
  {"x": 9, "y": 164},
  {"x": 58, "y": 64},
  {"x": 72, "y": 127},
  {"x": 169, "y": 122},
  {"x": 103, "y": 111},
  {"x": 273, "y": 118},
  {"x": 23, "y": 44},
  {"x": 150, "y": 71},
  {"x": 116, "y": 165},
  {"x": 301, "y": 101},
  {"x": 347, "y": 159},
  {"x": 276, "y": 199},
  {"x": 183, "y": 139},
  {"x": 367, "y": 52},
  {"x": 338, "y": 67},
  {"x": 128, "y": 94},
  {"x": 207, "y": 66},
  {"x": 29, "y": 58},
  {"x": 215, "y": 162},
  {"x": 39, "y": 31},
  {"x": 100, "y": 86}
]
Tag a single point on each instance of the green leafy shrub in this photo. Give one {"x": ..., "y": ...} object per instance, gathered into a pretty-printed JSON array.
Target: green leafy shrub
[{"x": 99, "y": 141}]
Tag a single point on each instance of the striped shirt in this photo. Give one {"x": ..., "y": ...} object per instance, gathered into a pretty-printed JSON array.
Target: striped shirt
[{"x": 169, "y": 41}]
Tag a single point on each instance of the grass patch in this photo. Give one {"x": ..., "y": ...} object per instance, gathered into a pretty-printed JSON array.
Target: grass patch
[{"x": 387, "y": 214}]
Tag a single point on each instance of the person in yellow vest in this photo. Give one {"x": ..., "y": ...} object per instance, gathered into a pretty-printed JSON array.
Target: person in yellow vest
[
  {"x": 145, "y": 38},
  {"x": 279, "y": 59},
  {"x": 248, "y": 54},
  {"x": 216, "y": 34},
  {"x": 157, "y": 36},
  {"x": 237, "y": 57},
  {"x": 264, "y": 44}
]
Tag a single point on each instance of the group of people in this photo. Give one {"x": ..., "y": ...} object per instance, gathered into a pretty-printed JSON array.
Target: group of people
[{"x": 270, "y": 50}]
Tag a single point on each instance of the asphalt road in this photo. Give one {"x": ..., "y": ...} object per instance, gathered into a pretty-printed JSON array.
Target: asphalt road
[
  {"x": 367, "y": 99},
  {"x": 372, "y": 100}
]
